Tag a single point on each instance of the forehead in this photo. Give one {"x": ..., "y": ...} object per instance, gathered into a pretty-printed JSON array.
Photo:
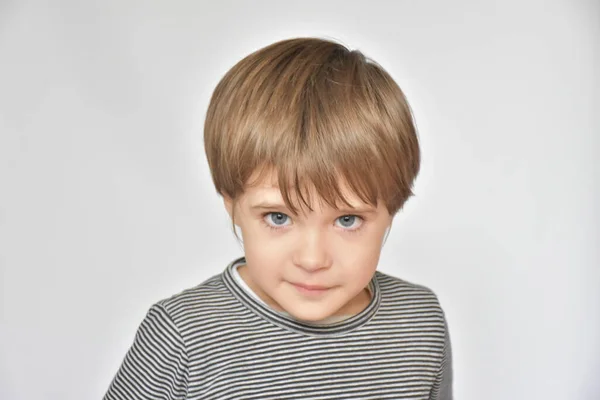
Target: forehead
[{"x": 266, "y": 188}]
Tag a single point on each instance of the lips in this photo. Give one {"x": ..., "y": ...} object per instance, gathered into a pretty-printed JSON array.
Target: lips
[{"x": 310, "y": 287}]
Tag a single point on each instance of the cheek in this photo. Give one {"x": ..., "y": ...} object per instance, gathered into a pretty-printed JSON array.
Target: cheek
[
  {"x": 359, "y": 249},
  {"x": 264, "y": 257},
  {"x": 358, "y": 261}
]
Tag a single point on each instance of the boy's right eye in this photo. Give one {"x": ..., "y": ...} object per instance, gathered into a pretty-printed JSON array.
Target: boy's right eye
[{"x": 276, "y": 218}]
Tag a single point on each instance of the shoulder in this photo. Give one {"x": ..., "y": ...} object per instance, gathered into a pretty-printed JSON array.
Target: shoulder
[
  {"x": 397, "y": 293},
  {"x": 390, "y": 283},
  {"x": 199, "y": 304}
]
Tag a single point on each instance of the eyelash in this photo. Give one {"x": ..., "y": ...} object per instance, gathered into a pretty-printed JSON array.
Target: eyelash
[{"x": 275, "y": 229}]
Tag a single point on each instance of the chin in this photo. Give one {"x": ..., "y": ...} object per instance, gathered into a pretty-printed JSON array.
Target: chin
[{"x": 310, "y": 316}]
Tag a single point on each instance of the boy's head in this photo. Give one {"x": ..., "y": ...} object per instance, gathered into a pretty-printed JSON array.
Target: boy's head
[{"x": 314, "y": 150}]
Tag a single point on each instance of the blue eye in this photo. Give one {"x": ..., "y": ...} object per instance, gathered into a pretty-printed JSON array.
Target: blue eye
[
  {"x": 276, "y": 218},
  {"x": 278, "y": 221},
  {"x": 347, "y": 221}
]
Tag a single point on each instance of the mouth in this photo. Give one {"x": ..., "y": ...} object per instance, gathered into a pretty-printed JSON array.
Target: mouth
[{"x": 310, "y": 289}]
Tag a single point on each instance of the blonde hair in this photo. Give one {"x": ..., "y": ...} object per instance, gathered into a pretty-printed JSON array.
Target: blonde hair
[{"x": 315, "y": 113}]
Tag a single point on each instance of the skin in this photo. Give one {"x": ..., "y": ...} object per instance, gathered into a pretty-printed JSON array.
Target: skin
[{"x": 335, "y": 249}]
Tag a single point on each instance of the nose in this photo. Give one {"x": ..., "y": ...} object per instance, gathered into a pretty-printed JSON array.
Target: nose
[{"x": 311, "y": 252}]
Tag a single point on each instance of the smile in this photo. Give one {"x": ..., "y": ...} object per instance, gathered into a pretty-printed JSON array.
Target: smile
[{"x": 310, "y": 289}]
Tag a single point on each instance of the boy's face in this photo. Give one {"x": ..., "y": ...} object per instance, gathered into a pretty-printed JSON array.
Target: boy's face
[{"x": 314, "y": 265}]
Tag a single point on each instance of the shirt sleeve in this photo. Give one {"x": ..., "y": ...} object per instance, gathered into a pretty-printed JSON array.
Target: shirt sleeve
[
  {"x": 442, "y": 388},
  {"x": 155, "y": 367}
]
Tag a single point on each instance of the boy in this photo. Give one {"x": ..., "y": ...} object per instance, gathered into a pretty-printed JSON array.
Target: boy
[{"x": 313, "y": 149}]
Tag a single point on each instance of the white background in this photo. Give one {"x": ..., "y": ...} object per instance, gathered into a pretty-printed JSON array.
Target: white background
[{"x": 106, "y": 204}]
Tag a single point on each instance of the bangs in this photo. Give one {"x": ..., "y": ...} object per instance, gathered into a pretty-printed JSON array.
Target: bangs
[{"x": 331, "y": 187}]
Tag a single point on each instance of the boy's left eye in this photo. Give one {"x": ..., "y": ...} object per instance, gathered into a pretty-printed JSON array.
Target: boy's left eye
[{"x": 347, "y": 221}]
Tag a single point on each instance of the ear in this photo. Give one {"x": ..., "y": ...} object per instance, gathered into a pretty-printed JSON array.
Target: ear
[
  {"x": 386, "y": 234},
  {"x": 228, "y": 205}
]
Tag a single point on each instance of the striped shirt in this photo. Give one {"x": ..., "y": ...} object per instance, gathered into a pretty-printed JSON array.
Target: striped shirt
[{"x": 218, "y": 341}]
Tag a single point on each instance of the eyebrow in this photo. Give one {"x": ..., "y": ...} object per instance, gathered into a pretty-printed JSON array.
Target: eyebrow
[{"x": 267, "y": 205}]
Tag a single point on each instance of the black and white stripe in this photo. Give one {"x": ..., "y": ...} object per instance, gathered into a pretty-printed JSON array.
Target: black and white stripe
[{"x": 215, "y": 341}]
